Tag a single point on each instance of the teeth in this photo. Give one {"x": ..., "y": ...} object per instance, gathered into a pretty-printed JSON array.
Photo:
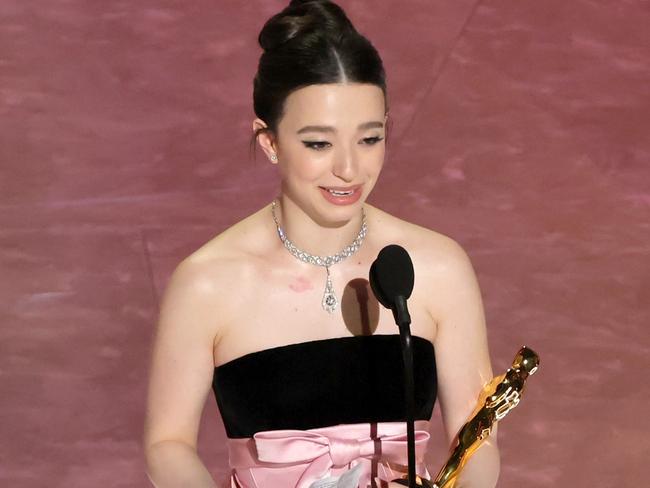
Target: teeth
[{"x": 341, "y": 193}]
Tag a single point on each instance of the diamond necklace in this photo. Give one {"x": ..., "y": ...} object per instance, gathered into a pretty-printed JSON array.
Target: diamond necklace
[{"x": 329, "y": 302}]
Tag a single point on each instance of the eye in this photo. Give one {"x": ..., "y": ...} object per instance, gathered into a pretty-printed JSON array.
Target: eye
[
  {"x": 320, "y": 145},
  {"x": 373, "y": 140},
  {"x": 317, "y": 145}
]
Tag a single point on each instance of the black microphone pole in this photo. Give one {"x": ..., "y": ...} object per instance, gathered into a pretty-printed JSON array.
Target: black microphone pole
[
  {"x": 404, "y": 323},
  {"x": 392, "y": 280}
]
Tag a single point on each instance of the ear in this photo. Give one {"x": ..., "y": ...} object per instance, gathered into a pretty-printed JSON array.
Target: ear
[{"x": 266, "y": 140}]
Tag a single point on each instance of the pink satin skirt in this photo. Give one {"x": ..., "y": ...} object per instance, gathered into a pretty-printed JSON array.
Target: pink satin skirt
[{"x": 299, "y": 458}]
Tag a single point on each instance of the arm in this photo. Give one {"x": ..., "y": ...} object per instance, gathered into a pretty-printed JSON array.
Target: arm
[
  {"x": 463, "y": 360},
  {"x": 180, "y": 379}
]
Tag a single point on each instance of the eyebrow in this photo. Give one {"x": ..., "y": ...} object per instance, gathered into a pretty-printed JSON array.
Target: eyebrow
[{"x": 329, "y": 128}]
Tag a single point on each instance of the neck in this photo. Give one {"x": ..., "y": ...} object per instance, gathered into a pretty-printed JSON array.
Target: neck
[{"x": 311, "y": 235}]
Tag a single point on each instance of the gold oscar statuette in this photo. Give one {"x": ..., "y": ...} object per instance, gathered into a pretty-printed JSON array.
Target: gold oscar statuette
[{"x": 496, "y": 400}]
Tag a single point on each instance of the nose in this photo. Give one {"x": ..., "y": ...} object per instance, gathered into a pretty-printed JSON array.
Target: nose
[{"x": 346, "y": 165}]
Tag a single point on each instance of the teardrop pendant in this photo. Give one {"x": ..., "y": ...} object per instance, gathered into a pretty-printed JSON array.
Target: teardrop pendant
[{"x": 330, "y": 302}]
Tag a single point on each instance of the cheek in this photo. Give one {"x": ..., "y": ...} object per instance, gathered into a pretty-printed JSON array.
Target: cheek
[
  {"x": 305, "y": 167},
  {"x": 299, "y": 172},
  {"x": 375, "y": 163}
]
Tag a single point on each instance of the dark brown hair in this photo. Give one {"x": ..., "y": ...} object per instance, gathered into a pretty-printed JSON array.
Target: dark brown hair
[{"x": 309, "y": 42}]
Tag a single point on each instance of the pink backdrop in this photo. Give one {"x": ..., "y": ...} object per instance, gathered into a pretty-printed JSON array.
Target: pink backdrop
[{"x": 520, "y": 129}]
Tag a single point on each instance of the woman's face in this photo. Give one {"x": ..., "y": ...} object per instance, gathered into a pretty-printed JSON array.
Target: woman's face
[{"x": 331, "y": 138}]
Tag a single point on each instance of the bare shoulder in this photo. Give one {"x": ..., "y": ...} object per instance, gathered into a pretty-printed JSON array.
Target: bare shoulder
[
  {"x": 233, "y": 250},
  {"x": 443, "y": 271},
  {"x": 215, "y": 274},
  {"x": 437, "y": 252}
]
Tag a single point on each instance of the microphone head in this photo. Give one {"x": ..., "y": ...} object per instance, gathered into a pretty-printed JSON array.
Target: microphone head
[{"x": 392, "y": 275}]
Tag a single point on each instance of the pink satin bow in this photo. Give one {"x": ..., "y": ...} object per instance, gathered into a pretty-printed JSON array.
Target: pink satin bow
[{"x": 323, "y": 452}]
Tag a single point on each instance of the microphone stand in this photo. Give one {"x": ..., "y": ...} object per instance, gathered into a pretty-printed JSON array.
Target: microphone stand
[
  {"x": 391, "y": 278},
  {"x": 403, "y": 320}
]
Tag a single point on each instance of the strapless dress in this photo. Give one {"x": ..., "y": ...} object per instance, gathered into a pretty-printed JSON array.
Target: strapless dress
[{"x": 302, "y": 415}]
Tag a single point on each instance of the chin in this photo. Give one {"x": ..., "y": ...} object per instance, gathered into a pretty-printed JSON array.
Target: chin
[{"x": 339, "y": 215}]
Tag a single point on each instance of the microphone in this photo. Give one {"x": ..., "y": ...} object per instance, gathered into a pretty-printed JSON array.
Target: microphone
[{"x": 392, "y": 279}]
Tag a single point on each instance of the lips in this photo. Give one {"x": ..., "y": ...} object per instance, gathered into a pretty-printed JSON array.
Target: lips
[{"x": 350, "y": 195}]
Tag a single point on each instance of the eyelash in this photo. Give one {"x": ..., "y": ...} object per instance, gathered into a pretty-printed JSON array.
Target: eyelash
[{"x": 314, "y": 144}]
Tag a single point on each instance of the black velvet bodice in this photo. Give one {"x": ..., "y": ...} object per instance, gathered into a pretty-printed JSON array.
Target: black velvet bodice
[{"x": 321, "y": 383}]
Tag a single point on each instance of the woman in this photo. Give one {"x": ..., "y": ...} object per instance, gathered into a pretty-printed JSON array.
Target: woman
[{"x": 305, "y": 363}]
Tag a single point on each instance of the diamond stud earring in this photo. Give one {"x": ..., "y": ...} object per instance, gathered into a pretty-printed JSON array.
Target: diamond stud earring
[{"x": 273, "y": 157}]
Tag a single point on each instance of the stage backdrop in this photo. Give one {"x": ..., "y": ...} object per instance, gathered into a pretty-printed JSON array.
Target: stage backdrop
[{"x": 520, "y": 129}]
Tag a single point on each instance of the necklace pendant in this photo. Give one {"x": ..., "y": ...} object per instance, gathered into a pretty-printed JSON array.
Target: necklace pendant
[{"x": 330, "y": 302}]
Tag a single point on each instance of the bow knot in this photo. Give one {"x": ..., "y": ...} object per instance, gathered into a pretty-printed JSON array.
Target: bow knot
[
  {"x": 321, "y": 452},
  {"x": 344, "y": 451}
]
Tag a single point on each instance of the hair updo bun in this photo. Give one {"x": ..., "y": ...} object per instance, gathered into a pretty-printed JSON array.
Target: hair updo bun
[
  {"x": 310, "y": 42},
  {"x": 302, "y": 18}
]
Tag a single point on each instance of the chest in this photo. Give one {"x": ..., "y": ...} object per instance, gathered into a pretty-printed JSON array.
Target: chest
[{"x": 284, "y": 306}]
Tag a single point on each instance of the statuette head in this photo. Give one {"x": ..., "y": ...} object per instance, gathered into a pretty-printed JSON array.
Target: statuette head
[{"x": 526, "y": 361}]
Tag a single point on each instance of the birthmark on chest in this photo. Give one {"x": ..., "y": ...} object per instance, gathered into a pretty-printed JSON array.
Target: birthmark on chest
[{"x": 301, "y": 284}]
